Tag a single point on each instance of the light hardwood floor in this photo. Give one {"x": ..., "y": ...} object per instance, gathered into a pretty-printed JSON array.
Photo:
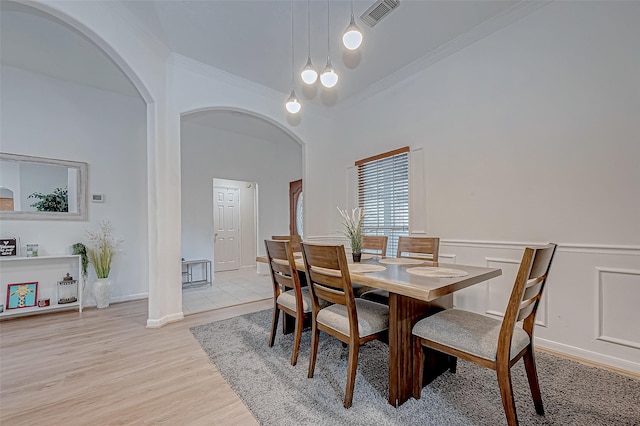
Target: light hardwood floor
[{"x": 103, "y": 367}]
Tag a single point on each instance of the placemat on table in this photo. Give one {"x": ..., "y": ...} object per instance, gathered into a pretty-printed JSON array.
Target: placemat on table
[{"x": 359, "y": 268}]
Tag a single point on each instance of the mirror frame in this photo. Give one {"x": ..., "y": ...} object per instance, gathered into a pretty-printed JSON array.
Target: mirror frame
[{"x": 81, "y": 194}]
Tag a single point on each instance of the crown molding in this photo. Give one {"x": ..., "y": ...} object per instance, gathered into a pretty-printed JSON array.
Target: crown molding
[{"x": 477, "y": 33}]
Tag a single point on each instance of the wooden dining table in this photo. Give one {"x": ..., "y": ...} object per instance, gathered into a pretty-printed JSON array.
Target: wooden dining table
[{"x": 411, "y": 298}]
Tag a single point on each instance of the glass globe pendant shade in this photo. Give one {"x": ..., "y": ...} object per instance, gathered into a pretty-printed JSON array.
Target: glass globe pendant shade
[
  {"x": 293, "y": 105},
  {"x": 352, "y": 38},
  {"x": 328, "y": 78},
  {"x": 309, "y": 75}
]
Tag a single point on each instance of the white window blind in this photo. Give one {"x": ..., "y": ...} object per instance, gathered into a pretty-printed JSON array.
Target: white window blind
[{"x": 383, "y": 193}]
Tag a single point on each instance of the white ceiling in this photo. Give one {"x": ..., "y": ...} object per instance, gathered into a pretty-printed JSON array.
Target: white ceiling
[
  {"x": 252, "y": 39},
  {"x": 38, "y": 42}
]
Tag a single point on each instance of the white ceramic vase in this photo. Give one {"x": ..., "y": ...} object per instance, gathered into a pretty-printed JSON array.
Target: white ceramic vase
[{"x": 102, "y": 292}]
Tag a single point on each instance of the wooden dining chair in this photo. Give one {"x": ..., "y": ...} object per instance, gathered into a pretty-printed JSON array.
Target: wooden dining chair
[
  {"x": 288, "y": 295},
  {"x": 294, "y": 239},
  {"x": 487, "y": 341},
  {"x": 427, "y": 247},
  {"x": 375, "y": 244},
  {"x": 418, "y": 247},
  {"x": 350, "y": 320}
]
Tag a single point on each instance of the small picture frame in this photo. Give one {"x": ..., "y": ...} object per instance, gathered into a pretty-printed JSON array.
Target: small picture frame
[
  {"x": 8, "y": 247},
  {"x": 22, "y": 295}
]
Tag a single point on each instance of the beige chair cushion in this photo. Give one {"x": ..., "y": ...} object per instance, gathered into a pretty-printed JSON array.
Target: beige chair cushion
[
  {"x": 468, "y": 332},
  {"x": 288, "y": 299},
  {"x": 372, "y": 317}
]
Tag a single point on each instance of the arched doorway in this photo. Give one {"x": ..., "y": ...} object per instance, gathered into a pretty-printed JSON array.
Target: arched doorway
[
  {"x": 244, "y": 151},
  {"x": 70, "y": 95}
]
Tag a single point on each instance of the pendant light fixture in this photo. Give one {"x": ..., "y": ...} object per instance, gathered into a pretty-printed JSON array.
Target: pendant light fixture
[
  {"x": 292, "y": 105},
  {"x": 352, "y": 38},
  {"x": 328, "y": 78},
  {"x": 309, "y": 74}
]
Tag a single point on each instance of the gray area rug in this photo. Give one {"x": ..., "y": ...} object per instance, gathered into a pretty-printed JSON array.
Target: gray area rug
[{"x": 279, "y": 394}]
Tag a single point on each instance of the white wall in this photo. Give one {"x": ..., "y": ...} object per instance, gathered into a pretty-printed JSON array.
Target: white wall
[
  {"x": 529, "y": 135},
  {"x": 545, "y": 109},
  {"x": 50, "y": 118},
  {"x": 208, "y": 153}
]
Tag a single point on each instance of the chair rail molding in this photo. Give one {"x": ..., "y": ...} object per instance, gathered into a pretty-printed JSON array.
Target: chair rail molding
[{"x": 562, "y": 247}]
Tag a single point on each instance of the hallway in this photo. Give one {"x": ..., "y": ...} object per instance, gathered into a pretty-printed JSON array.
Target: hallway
[{"x": 228, "y": 288}]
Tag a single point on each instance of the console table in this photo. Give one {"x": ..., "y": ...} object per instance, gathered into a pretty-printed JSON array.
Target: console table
[
  {"x": 201, "y": 277},
  {"x": 46, "y": 271}
]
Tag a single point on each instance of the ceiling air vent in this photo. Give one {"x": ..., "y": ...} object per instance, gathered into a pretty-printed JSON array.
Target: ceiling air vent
[{"x": 378, "y": 10}]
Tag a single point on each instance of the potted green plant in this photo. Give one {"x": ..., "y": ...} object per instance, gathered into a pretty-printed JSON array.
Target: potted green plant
[
  {"x": 81, "y": 249},
  {"x": 101, "y": 249},
  {"x": 352, "y": 229}
]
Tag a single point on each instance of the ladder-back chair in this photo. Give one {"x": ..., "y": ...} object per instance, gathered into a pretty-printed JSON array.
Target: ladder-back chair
[
  {"x": 488, "y": 342},
  {"x": 350, "y": 320},
  {"x": 288, "y": 295}
]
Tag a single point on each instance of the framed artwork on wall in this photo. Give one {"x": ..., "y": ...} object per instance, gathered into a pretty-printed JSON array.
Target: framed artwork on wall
[{"x": 22, "y": 295}]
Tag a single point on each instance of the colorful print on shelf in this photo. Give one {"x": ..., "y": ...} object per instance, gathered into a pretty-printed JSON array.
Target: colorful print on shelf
[{"x": 22, "y": 295}]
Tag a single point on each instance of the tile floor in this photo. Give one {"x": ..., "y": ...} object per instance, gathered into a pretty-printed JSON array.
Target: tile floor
[{"x": 227, "y": 289}]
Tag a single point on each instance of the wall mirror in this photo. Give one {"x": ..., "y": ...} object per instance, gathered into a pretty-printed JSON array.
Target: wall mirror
[{"x": 42, "y": 188}]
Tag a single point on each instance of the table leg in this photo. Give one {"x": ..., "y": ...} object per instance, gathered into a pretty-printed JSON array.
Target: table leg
[
  {"x": 288, "y": 323},
  {"x": 404, "y": 312}
]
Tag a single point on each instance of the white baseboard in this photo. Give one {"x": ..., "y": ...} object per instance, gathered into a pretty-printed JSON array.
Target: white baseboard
[
  {"x": 603, "y": 360},
  {"x": 127, "y": 298},
  {"x": 130, "y": 297},
  {"x": 165, "y": 320}
]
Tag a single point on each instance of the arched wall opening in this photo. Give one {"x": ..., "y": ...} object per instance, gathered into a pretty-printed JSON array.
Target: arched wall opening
[
  {"x": 66, "y": 116},
  {"x": 226, "y": 143}
]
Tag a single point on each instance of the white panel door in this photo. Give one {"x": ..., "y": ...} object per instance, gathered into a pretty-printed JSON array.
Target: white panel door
[{"x": 226, "y": 220}]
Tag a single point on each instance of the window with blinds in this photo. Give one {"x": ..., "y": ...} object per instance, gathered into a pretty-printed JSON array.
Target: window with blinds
[{"x": 383, "y": 193}]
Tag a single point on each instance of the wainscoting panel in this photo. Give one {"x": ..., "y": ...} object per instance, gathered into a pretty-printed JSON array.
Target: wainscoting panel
[
  {"x": 499, "y": 289},
  {"x": 616, "y": 308}
]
